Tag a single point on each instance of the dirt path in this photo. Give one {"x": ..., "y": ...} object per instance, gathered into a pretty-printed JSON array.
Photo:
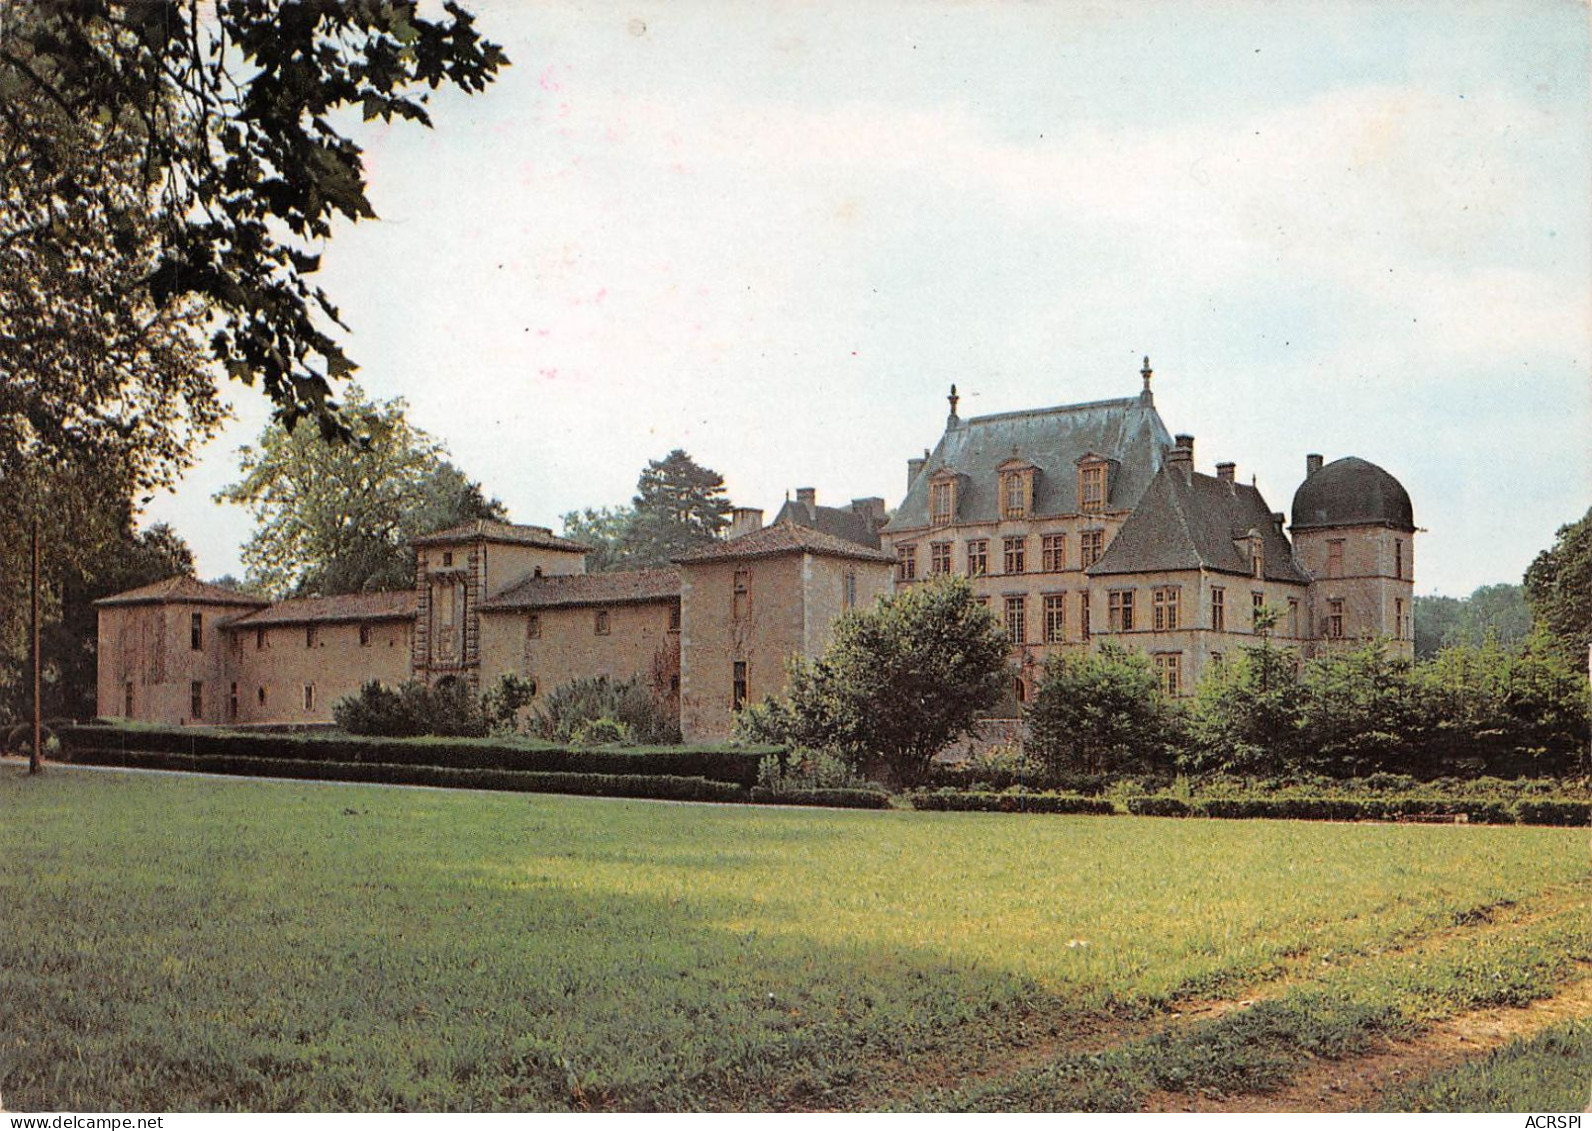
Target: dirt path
[{"x": 1359, "y": 1083}]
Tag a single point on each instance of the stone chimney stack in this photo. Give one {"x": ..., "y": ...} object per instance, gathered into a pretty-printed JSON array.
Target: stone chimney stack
[
  {"x": 1312, "y": 464},
  {"x": 1181, "y": 457},
  {"x": 871, "y": 508},
  {"x": 914, "y": 466},
  {"x": 745, "y": 520},
  {"x": 1277, "y": 521},
  {"x": 1225, "y": 471},
  {"x": 807, "y": 496}
]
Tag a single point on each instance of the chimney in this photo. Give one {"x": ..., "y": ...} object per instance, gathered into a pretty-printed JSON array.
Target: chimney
[
  {"x": 1181, "y": 457},
  {"x": 871, "y": 508},
  {"x": 807, "y": 496},
  {"x": 1312, "y": 464},
  {"x": 1277, "y": 521},
  {"x": 1146, "y": 398},
  {"x": 914, "y": 466},
  {"x": 745, "y": 520},
  {"x": 952, "y": 420},
  {"x": 1224, "y": 471}
]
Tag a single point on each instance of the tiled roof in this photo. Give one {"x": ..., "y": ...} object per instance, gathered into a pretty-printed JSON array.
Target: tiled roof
[
  {"x": 577, "y": 589},
  {"x": 397, "y": 604},
  {"x": 490, "y": 531},
  {"x": 842, "y": 522},
  {"x": 784, "y": 538},
  {"x": 1128, "y": 431},
  {"x": 1192, "y": 524},
  {"x": 184, "y": 589}
]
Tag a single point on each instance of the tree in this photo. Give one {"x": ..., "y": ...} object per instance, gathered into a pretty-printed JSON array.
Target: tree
[
  {"x": 897, "y": 682},
  {"x": 335, "y": 519},
  {"x": 679, "y": 506},
  {"x": 1499, "y": 611},
  {"x": 1360, "y": 713},
  {"x": 1099, "y": 712},
  {"x": 224, "y": 172},
  {"x": 1558, "y": 588}
]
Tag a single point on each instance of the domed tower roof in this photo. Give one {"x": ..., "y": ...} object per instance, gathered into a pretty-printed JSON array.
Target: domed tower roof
[{"x": 1351, "y": 492}]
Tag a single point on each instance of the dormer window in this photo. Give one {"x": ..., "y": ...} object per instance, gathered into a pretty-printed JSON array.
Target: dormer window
[
  {"x": 1257, "y": 556},
  {"x": 1016, "y": 489},
  {"x": 942, "y": 500},
  {"x": 1092, "y": 484}
]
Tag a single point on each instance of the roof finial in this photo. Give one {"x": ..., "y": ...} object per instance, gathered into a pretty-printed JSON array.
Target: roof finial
[
  {"x": 1145, "y": 397},
  {"x": 953, "y": 398}
]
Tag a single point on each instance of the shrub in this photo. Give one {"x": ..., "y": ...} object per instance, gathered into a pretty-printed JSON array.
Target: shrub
[
  {"x": 600, "y": 732},
  {"x": 1575, "y": 814},
  {"x": 802, "y": 771},
  {"x": 1100, "y": 712},
  {"x": 580, "y": 702},
  {"x": 1157, "y": 807},
  {"x": 832, "y": 798},
  {"x": 412, "y": 709},
  {"x": 949, "y": 800},
  {"x": 502, "y": 703}
]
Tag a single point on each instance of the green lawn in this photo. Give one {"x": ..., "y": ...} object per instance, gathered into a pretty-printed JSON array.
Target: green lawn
[{"x": 185, "y": 943}]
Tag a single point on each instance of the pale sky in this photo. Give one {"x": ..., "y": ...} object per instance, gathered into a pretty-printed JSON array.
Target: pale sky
[{"x": 773, "y": 234}]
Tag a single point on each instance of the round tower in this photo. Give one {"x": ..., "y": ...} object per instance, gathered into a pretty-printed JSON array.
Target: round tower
[{"x": 1354, "y": 534}]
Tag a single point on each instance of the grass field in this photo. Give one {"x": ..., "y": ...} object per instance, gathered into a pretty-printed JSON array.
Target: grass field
[{"x": 182, "y": 943}]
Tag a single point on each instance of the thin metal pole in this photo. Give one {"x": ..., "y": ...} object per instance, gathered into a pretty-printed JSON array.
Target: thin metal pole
[{"x": 38, "y": 708}]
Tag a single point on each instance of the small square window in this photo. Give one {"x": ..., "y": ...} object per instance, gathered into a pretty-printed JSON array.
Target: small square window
[{"x": 601, "y": 625}]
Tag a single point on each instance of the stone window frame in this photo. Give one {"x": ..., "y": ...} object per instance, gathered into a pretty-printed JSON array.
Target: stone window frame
[
  {"x": 602, "y": 623},
  {"x": 309, "y": 697},
  {"x": 1015, "y": 617},
  {"x": 196, "y": 632},
  {"x": 1164, "y": 602},
  {"x": 939, "y": 559},
  {"x": 1334, "y": 621},
  {"x": 942, "y": 499},
  {"x": 1335, "y": 557},
  {"x": 1052, "y": 553},
  {"x": 1257, "y": 601},
  {"x": 1014, "y": 554},
  {"x": 1169, "y": 672},
  {"x": 1091, "y": 546},
  {"x": 978, "y": 557},
  {"x": 1218, "y": 608},
  {"x": 1054, "y": 614},
  {"x": 533, "y": 626},
  {"x": 1093, "y": 485},
  {"x": 1119, "y": 610},
  {"x": 907, "y": 562},
  {"x": 740, "y": 684},
  {"x": 196, "y": 700}
]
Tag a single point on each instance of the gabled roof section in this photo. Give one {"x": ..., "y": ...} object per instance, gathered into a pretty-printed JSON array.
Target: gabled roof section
[
  {"x": 1192, "y": 524},
  {"x": 1128, "y": 431},
  {"x": 182, "y": 590},
  {"x": 396, "y": 604},
  {"x": 631, "y": 587},
  {"x": 784, "y": 538},
  {"x": 840, "y": 522},
  {"x": 486, "y": 530}
]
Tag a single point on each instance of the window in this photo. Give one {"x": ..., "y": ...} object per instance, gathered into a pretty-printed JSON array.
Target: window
[
  {"x": 127, "y": 699},
  {"x": 1218, "y": 610},
  {"x": 1119, "y": 610},
  {"x": 364, "y": 636},
  {"x": 533, "y": 626},
  {"x": 1398, "y": 618},
  {"x": 309, "y": 636},
  {"x": 1163, "y": 608},
  {"x": 600, "y": 624},
  {"x": 447, "y": 558},
  {"x": 259, "y": 695},
  {"x": 1055, "y": 618},
  {"x": 232, "y": 703},
  {"x": 1083, "y": 615},
  {"x": 1091, "y": 544},
  {"x": 1398, "y": 557},
  {"x": 1016, "y": 554},
  {"x": 742, "y": 594},
  {"x": 309, "y": 697},
  {"x": 1017, "y": 620},
  {"x": 1335, "y": 619},
  {"x": 674, "y": 618},
  {"x": 196, "y": 700},
  {"x": 939, "y": 558},
  {"x": 259, "y": 639},
  {"x": 942, "y": 502},
  {"x": 1053, "y": 553},
  {"x": 848, "y": 590},
  {"x": 1257, "y": 557},
  {"x": 1092, "y": 487},
  {"x": 674, "y": 685},
  {"x": 1169, "y": 670},
  {"x": 906, "y": 563},
  {"x": 1019, "y": 689},
  {"x": 1257, "y": 601},
  {"x": 1014, "y": 494},
  {"x": 1293, "y": 616},
  {"x": 1335, "y": 558},
  {"x": 978, "y": 557},
  {"x": 196, "y": 632},
  {"x": 738, "y": 685}
]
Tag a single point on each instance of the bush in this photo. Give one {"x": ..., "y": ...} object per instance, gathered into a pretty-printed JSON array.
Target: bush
[
  {"x": 803, "y": 771},
  {"x": 1576, "y": 814},
  {"x": 833, "y": 798},
  {"x": 948, "y": 800},
  {"x": 1157, "y": 807},
  {"x": 1100, "y": 712},
  {"x": 580, "y": 703},
  {"x": 412, "y": 709},
  {"x": 600, "y": 732}
]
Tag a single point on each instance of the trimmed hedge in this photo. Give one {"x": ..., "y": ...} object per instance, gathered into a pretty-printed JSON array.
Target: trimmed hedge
[
  {"x": 661, "y": 787},
  {"x": 948, "y": 800},
  {"x": 1158, "y": 807},
  {"x": 831, "y": 798},
  {"x": 1354, "y": 809},
  {"x": 1576, "y": 814},
  {"x": 735, "y": 766}
]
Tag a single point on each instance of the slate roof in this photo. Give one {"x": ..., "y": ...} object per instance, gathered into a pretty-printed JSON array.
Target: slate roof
[
  {"x": 1352, "y": 492},
  {"x": 842, "y": 522},
  {"x": 397, "y": 604},
  {"x": 784, "y": 538},
  {"x": 1192, "y": 524},
  {"x": 186, "y": 590},
  {"x": 1129, "y": 431},
  {"x": 577, "y": 589},
  {"x": 486, "y": 529}
]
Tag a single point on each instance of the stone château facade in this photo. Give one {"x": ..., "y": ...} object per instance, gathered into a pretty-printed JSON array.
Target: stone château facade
[{"x": 1075, "y": 524}]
